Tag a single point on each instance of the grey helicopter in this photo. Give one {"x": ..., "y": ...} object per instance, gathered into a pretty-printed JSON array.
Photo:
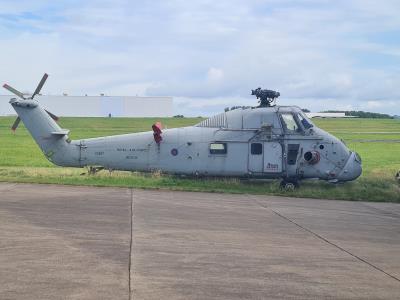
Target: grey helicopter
[{"x": 268, "y": 141}]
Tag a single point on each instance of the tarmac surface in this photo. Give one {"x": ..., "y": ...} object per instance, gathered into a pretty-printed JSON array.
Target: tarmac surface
[{"x": 60, "y": 242}]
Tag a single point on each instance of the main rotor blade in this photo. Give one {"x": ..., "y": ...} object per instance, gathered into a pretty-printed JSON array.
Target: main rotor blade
[
  {"x": 53, "y": 116},
  {"x": 14, "y": 91},
  {"x": 40, "y": 85},
  {"x": 16, "y": 123}
]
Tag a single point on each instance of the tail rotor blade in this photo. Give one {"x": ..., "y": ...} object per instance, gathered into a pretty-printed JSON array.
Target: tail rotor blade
[
  {"x": 40, "y": 85},
  {"x": 14, "y": 91},
  {"x": 53, "y": 116},
  {"x": 16, "y": 123}
]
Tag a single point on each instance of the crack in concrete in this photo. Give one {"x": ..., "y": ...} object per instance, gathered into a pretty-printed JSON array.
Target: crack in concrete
[{"x": 328, "y": 242}]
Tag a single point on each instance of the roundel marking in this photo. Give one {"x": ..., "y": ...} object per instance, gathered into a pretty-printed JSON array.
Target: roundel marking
[{"x": 174, "y": 152}]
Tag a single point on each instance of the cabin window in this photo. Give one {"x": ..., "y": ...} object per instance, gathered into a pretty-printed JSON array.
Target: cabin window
[
  {"x": 218, "y": 148},
  {"x": 289, "y": 123},
  {"x": 256, "y": 149}
]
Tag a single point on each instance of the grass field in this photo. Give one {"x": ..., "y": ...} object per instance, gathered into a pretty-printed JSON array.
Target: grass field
[{"x": 377, "y": 141}]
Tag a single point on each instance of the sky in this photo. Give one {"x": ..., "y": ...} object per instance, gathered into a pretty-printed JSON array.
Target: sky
[{"x": 207, "y": 54}]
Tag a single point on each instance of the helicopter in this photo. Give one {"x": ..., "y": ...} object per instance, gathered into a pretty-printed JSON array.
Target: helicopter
[{"x": 267, "y": 141}]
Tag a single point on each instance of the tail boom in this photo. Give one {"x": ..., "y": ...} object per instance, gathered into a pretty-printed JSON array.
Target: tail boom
[{"x": 50, "y": 137}]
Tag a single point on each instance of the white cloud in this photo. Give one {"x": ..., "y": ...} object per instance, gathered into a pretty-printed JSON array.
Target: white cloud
[
  {"x": 374, "y": 104},
  {"x": 215, "y": 75}
]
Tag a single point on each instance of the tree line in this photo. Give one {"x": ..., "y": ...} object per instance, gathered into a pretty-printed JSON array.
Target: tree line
[{"x": 362, "y": 114}]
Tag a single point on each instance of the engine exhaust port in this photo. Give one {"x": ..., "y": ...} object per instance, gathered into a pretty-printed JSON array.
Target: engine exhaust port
[{"x": 312, "y": 157}]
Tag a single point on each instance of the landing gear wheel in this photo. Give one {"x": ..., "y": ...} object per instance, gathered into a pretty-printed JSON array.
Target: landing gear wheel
[
  {"x": 288, "y": 185},
  {"x": 93, "y": 170}
]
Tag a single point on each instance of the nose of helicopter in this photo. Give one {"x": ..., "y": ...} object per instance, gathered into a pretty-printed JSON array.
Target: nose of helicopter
[{"x": 352, "y": 169}]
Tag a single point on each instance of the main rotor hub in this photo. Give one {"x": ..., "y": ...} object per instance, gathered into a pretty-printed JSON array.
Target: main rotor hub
[{"x": 267, "y": 97}]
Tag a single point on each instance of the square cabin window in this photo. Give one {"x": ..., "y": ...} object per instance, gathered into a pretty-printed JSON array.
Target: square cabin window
[
  {"x": 256, "y": 148},
  {"x": 218, "y": 148}
]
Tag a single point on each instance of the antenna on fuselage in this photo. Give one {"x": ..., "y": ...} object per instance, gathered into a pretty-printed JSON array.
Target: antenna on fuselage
[{"x": 267, "y": 97}]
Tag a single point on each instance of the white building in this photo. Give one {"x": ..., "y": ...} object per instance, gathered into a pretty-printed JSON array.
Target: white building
[
  {"x": 326, "y": 115},
  {"x": 99, "y": 106}
]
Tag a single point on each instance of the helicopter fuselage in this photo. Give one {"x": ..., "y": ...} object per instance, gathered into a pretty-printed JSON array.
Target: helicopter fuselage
[{"x": 270, "y": 142}]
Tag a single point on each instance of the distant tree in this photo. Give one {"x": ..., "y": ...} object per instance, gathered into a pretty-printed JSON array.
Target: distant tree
[
  {"x": 179, "y": 116},
  {"x": 362, "y": 114},
  {"x": 365, "y": 114},
  {"x": 305, "y": 110}
]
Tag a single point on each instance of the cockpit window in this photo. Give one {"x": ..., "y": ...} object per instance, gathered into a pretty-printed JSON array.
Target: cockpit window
[
  {"x": 305, "y": 121},
  {"x": 289, "y": 123}
]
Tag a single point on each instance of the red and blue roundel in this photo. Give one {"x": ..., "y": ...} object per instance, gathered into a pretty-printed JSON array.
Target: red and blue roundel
[{"x": 174, "y": 152}]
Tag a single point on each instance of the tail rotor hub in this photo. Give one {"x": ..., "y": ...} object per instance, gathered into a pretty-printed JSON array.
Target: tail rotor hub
[{"x": 24, "y": 103}]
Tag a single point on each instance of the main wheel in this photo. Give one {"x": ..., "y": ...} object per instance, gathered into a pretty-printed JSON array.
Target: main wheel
[{"x": 289, "y": 185}]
